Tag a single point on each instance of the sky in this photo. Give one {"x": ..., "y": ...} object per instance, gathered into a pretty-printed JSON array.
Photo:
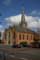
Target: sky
[{"x": 10, "y": 13}]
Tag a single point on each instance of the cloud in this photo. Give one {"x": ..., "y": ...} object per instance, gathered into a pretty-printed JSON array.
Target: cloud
[
  {"x": 6, "y": 2},
  {"x": 13, "y": 20},
  {"x": 1, "y": 28},
  {"x": 35, "y": 12},
  {"x": 33, "y": 22}
]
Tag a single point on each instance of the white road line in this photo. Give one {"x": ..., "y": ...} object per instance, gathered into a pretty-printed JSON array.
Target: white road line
[
  {"x": 12, "y": 56},
  {"x": 23, "y": 59}
]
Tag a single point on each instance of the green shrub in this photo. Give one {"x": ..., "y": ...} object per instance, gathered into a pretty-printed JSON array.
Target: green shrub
[{"x": 24, "y": 44}]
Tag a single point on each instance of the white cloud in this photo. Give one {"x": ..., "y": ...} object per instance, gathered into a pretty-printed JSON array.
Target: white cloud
[
  {"x": 1, "y": 28},
  {"x": 33, "y": 22},
  {"x": 35, "y": 12},
  {"x": 6, "y": 2},
  {"x": 13, "y": 19}
]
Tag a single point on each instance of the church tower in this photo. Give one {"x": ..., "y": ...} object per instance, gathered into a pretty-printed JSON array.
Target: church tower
[{"x": 23, "y": 22}]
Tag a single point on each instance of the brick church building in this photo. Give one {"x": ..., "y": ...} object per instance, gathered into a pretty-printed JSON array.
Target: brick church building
[{"x": 19, "y": 33}]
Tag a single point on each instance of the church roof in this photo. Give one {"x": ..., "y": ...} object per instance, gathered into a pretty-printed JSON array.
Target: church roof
[{"x": 21, "y": 29}]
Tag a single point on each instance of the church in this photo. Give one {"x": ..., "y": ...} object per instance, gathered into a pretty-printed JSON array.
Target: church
[{"x": 19, "y": 33}]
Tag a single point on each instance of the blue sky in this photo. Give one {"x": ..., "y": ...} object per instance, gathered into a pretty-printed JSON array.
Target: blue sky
[
  {"x": 10, "y": 8},
  {"x": 13, "y": 7}
]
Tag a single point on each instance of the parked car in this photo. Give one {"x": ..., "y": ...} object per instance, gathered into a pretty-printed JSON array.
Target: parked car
[
  {"x": 13, "y": 46},
  {"x": 16, "y": 46}
]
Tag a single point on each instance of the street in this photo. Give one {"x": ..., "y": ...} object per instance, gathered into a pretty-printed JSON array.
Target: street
[{"x": 20, "y": 54}]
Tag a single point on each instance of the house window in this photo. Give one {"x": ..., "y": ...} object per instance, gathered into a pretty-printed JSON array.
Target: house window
[
  {"x": 5, "y": 35},
  {"x": 14, "y": 35},
  {"x": 9, "y": 38},
  {"x": 31, "y": 37},
  {"x": 20, "y": 36},
  {"x": 9, "y": 34},
  {"x": 0, "y": 34},
  {"x": 23, "y": 37},
  {"x": 27, "y": 37},
  {"x": 9, "y": 42}
]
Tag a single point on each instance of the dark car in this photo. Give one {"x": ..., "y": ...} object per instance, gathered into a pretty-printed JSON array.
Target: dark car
[{"x": 16, "y": 46}]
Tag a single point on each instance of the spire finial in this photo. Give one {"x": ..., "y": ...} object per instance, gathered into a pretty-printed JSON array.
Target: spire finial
[
  {"x": 23, "y": 15},
  {"x": 23, "y": 10}
]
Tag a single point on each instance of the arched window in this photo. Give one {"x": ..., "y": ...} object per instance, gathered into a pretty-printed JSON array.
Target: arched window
[
  {"x": 23, "y": 36},
  {"x": 27, "y": 37},
  {"x": 20, "y": 36},
  {"x": 9, "y": 38},
  {"x": 5, "y": 36},
  {"x": 9, "y": 34},
  {"x": 0, "y": 34},
  {"x": 31, "y": 37},
  {"x": 13, "y": 35}
]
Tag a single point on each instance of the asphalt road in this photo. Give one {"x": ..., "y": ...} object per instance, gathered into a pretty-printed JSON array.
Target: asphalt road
[{"x": 20, "y": 54}]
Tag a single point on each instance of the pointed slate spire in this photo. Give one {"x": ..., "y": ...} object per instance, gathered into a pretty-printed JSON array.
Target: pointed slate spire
[
  {"x": 23, "y": 22},
  {"x": 23, "y": 15}
]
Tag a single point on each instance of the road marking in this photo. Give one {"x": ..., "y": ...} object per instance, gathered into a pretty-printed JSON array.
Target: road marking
[
  {"x": 12, "y": 56},
  {"x": 23, "y": 59}
]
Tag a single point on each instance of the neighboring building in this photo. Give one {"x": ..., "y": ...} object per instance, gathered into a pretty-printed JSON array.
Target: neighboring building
[
  {"x": 0, "y": 35},
  {"x": 19, "y": 33}
]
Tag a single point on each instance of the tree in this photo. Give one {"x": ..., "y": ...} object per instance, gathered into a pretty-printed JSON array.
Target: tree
[{"x": 24, "y": 44}]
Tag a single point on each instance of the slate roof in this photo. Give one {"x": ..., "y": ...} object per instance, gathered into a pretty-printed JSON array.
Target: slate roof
[{"x": 21, "y": 29}]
